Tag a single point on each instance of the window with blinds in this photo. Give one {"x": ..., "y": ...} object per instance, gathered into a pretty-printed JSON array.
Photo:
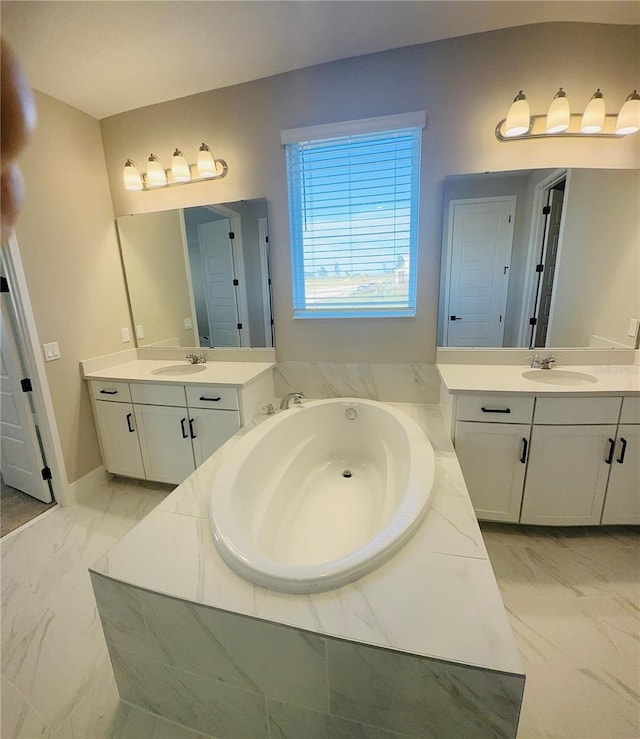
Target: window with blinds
[{"x": 353, "y": 209}]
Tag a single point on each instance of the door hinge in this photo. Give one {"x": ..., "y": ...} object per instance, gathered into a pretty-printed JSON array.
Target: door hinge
[
  {"x": 509, "y": 218},
  {"x": 539, "y": 267},
  {"x": 546, "y": 210},
  {"x": 500, "y": 321},
  {"x": 235, "y": 282},
  {"x": 46, "y": 473},
  {"x": 26, "y": 385},
  {"x": 4, "y": 285},
  {"x": 266, "y": 238},
  {"x": 232, "y": 235},
  {"x": 238, "y": 326},
  {"x": 533, "y": 321}
]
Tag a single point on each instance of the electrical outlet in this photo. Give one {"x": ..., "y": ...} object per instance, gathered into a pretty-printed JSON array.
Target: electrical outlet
[
  {"x": 139, "y": 331},
  {"x": 125, "y": 334},
  {"x": 51, "y": 351},
  {"x": 188, "y": 323},
  {"x": 633, "y": 327}
]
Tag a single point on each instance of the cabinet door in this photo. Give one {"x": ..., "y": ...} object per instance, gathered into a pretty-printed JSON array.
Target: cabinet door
[
  {"x": 493, "y": 458},
  {"x": 622, "y": 502},
  {"x": 567, "y": 475},
  {"x": 119, "y": 439},
  {"x": 165, "y": 442},
  {"x": 210, "y": 429}
]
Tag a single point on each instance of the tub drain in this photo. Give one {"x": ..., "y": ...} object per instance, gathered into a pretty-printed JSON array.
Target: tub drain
[{"x": 347, "y": 473}]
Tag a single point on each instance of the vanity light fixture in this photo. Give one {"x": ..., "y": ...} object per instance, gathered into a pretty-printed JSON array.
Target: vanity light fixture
[
  {"x": 594, "y": 114},
  {"x": 629, "y": 116},
  {"x": 559, "y": 115},
  {"x": 180, "y": 173},
  {"x": 595, "y": 122}
]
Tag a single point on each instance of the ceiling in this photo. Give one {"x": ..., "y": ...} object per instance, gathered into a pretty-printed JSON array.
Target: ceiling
[{"x": 106, "y": 57}]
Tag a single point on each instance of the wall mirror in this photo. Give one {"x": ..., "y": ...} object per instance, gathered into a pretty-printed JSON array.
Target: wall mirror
[
  {"x": 541, "y": 258},
  {"x": 199, "y": 276}
]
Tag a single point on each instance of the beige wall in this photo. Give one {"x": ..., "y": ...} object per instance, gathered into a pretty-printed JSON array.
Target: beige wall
[
  {"x": 464, "y": 84},
  {"x": 67, "y": 241},
  {"x": 153, "y": 251},
  {"x": 598, "y": 284}
]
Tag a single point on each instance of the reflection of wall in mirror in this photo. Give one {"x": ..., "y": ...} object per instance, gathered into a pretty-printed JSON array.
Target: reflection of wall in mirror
[
  {"x": 152, "y": 246},
  {"x": 598, "y": 285}
]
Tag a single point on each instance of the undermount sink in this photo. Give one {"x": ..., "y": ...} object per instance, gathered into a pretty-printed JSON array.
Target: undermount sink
[
  {"x": 559, "y": 377},
  {"x": 179, "y": 369}
]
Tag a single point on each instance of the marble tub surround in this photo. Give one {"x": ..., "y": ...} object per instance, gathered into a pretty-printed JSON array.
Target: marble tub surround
[
  {"x": 400, "y": 383},
  {"x": 430, "y": 616}
]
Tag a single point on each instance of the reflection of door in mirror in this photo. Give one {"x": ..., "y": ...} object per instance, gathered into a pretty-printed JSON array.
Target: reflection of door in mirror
[
  {"x": 480, "y": 240},
  {"x": 219, "y": 275},
  {"x": 191, "y": 282}
]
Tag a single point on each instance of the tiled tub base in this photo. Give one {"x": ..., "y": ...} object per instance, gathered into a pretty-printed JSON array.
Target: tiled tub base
[{"x": 229, "y": 675}]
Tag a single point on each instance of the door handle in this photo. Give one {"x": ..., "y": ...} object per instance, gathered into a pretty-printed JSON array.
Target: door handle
[
  {"x": 612, "y": 444},
  {"x": 623, "y": 451},
  {"x": 131, "y": 429},
  {"x": 193, "y": 436},
  {"x": 525, "y": 446},
  {"x": 185, "y": 435},
  {"x": 455, "y": 318}
]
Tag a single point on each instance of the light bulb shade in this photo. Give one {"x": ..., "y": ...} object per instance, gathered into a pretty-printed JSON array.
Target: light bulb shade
[
  {"x": 206, "y": 163},
  {"x": 132, "y": 177},
  {"x": 629, "y": 116},
  {"x": 559, "y": 113},
  {"x": 594, "y": 113},
  {"x": 180, "y": 169},
  {"x": 156, "y": 176},
  {"x": 519, "y": 118}
]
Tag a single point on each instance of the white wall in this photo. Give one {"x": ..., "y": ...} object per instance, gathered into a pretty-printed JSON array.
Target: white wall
[
  {"x": 464, "y": 84},
  {"x": 597, "y": 250}
]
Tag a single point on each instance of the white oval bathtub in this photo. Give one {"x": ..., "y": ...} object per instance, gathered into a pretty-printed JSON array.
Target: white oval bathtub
[{"x": 312, "y": 499}]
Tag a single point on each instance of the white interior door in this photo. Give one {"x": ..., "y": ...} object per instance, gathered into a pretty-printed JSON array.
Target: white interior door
[
  {"x": 480, "y": 242},
  {"x": 217, "y": 258},
  {"x": 21, "y": 459},
  {"x": 548, "y": 260}
]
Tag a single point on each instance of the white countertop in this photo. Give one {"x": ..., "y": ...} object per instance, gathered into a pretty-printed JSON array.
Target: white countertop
[
  {"x": 437, "y": 597},
  {"x": 610, "y": 379},
  {"x": 232, "y": 374}
]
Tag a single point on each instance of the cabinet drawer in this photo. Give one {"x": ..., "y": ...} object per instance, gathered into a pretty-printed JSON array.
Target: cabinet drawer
[
  {"x": 495, "y": 408},
  {"x": 148, "y": 394},
  {"x": 630, "y": 410},
  {"x": 211, "y": 396},
  {"x": 569, "y": 411},
  {"x": 115, "y": 391}
]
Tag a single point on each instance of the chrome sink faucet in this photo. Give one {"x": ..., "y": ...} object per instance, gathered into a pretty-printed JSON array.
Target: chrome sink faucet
[
  {"x": 286, "y": 401},
  {"x": 197, "y": 358},
  {"x": 546, "y": 363}
]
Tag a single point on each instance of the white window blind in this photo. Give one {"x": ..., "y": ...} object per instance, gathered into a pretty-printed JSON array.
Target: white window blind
[{"x": 353, "y": 207}]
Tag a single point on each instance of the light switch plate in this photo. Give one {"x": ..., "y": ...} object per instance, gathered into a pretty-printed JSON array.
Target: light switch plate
[
  {"x": 633, "y": 327},
  {"x": 51, "y": 351},
  {"x": 188, "y": 323},
  {"x": 125, "y": 334},
  {"x": 139, "y": 331}
]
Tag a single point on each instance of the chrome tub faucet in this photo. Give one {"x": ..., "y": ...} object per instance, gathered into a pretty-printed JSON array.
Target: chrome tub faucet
[{"x": 286, "y": 401}]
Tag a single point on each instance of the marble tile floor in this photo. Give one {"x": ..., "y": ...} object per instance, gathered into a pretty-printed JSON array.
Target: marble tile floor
[{"x": 573, "y": 597}]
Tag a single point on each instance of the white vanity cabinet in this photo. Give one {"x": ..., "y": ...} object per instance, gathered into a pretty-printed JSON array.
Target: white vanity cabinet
[
  {"x": 571, "y": 452},
  {"x": 117, "y": 428},
  {"x": 622, "y": 501},
  {"x": 550, "y": 460},
  {"x": 492, "y": 439},
  {"x": 162, "y": 432}
]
